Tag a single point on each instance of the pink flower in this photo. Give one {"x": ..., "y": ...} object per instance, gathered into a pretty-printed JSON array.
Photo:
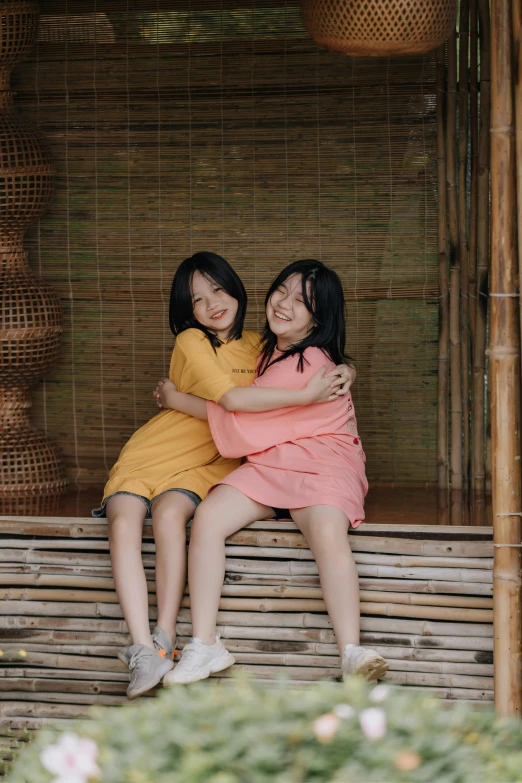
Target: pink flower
[
  {"x": 72, "y": 759},
  {"x": 344, "y": 711},
  {"x": 373, "y": 723},
  {"x": 379, "y": 693},
  {"x": 325, "y": 727}
]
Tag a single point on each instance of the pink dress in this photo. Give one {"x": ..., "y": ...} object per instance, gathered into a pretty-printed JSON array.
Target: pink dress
[{"x": 296, "y": 457}]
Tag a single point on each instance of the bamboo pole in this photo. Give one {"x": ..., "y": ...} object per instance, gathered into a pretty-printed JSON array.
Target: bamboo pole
[
  {"x": 72, "y": 528},
  {"x": 80, "y": 607},
  {"x": 361, "y": 558},
  {"x": 284, "y": 581},
  {"x": 13, "y": 709},
  {"x": 443, "y": 377},
  {"x": 504, "y": 360},
  {"x": 481, "y": 646},
  {"x": 309, "y": 620},
  {"x": 463, "y": 227},
  {"x": 474, "y": 136},
  {"x": 108, "y": 670},
  {"x": 282, "y": 590},
  {"x": 37, "y": 552},
  {"x": 453, "y": 215},
  {"x": 477, "y": 504},
  {"x": 479, "y": 353},
  {"x": 517, "y": 52}
]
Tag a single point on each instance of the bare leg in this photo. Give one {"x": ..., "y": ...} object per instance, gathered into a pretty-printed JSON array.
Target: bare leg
[
  {"x": 170, "y": 514},
  {"x": 224, "y": 512},
  {"x": 125, "y": 515},
  {"x": 325, "y": 529}
]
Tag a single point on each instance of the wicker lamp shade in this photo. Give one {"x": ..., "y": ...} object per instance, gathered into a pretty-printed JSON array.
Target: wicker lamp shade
[
  {"x": 30, "y": 326},
  {"x": 31, "y": 473},
  {"x": 379, "y": 28},
  {"x": 26, "y": 175},
  {"x": 18, "y": 31}
]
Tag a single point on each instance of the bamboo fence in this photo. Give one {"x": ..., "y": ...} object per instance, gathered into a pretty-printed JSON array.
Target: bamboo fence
[
  {"x": 463, "y": 158},
  {"x": 426, "y": 603},
  {"x": 180, "y": 126}
]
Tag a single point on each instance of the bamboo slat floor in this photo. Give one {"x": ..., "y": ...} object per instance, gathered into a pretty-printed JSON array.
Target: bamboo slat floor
[{"x": 426, "y": 601}]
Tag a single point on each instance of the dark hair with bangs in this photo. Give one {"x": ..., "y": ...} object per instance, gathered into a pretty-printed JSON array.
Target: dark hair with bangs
[
  {"x": 216, "y": 269},
  {"x": 325, "y": 301}
]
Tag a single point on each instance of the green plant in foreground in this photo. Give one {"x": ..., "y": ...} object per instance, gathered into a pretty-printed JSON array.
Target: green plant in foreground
[{"x": 240, "y": 731}]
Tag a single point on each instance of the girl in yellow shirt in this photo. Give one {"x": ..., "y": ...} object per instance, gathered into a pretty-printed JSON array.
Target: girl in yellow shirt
[{"x": 169, "y": 464}]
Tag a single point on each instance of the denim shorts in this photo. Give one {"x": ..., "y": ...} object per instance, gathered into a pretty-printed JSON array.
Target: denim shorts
[{"x": 102, "y": 511}]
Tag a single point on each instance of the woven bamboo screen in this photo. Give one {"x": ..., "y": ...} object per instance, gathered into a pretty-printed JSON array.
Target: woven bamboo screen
[{"x": 180, "y": 126}]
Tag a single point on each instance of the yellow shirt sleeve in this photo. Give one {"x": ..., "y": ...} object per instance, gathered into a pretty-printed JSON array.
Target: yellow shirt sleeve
[{"x": 195, "y": 367}]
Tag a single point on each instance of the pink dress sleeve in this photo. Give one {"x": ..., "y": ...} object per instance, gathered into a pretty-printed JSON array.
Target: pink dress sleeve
[{"x": 238, "y": 434}]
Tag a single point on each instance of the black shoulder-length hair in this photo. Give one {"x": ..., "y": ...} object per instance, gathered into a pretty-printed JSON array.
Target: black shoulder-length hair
[
  {"x": 324, "y": 299},
  {"x": 217, "y": 270}
]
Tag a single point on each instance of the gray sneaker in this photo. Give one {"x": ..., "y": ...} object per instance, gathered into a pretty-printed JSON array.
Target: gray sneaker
[
  {"x": 147, "y": 669},
  {"x": 161, "y": 643}
]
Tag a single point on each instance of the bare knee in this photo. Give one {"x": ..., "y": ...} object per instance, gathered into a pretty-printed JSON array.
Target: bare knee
[
  {"x": 169, "y": 527},
  {"x": 330, "y": 540},
  {"x": 124, "y": 533},
  {"x": 205, "y": 526}
]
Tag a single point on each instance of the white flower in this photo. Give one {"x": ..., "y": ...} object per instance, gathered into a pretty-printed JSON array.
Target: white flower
[
  {"x": 379, "y": 693},
  {"x": 325, "y": 727},
  {"x": 373, "y": 723},
  {"x": 344, "y": 711},
  {"x": 72, "y": 759}
]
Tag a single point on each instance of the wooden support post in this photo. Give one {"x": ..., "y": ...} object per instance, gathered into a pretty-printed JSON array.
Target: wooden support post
[
  {"x": 481, "y": 301},
  {"x": 443, "y": 379},
  {"x": 474, "y": 133},
  {"x": 504, "y": 358},
  {"x": 453, "y": 219},
  {"x": 463, "y": 226},
  {"x": 517, "y": 60},
  {"x": 477, "y": 502}
]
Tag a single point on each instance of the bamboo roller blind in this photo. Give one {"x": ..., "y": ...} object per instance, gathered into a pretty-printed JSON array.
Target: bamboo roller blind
[{"x": 181, "y": 126}]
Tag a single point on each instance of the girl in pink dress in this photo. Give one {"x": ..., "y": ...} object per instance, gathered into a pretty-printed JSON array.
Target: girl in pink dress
[{"x": 308, "y": 460}]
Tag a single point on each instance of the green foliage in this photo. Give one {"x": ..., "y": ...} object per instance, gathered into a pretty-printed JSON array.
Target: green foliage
[{"x": 243, "y": 732}]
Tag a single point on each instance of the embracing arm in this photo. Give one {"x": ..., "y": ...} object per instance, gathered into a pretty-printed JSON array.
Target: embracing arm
[
  {"x": 246, "y": 399},
  {"x": 240, "y": 433},
  {"x": 320, "y": 388},
  {"x": 252, "y": 399},
  {"x": 167, "y": 396}
]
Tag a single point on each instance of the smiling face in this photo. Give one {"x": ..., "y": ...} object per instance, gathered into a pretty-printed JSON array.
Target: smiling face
[
  {"x": 213, "y": 307},
  {"x": 287, "y": 314}
]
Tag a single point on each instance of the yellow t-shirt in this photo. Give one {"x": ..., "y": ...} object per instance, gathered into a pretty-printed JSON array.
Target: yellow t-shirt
[{"x": 174, "y": 450}]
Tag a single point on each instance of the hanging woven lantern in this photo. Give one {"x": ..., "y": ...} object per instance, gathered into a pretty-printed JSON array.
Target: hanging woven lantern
[
  {"x": 379, "y": 28},
  {"x": 32, "y": 476}
]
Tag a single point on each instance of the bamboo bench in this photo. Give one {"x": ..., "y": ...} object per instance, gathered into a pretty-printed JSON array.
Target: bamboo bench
[{"x": 426, "y": 603}]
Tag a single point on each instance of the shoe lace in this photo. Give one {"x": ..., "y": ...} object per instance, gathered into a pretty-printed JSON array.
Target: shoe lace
[{"x": 136, "y": 659}]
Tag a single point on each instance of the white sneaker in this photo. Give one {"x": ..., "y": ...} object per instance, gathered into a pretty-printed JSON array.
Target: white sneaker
[
  {"x": 198, "y": 661},
  {"x": 362, "y": 661}
]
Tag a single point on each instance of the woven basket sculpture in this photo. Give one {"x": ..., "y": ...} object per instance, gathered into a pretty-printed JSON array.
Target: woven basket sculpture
[
  {"x": 31, "y": 474},
  {"x": 379, "y": 28}
]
